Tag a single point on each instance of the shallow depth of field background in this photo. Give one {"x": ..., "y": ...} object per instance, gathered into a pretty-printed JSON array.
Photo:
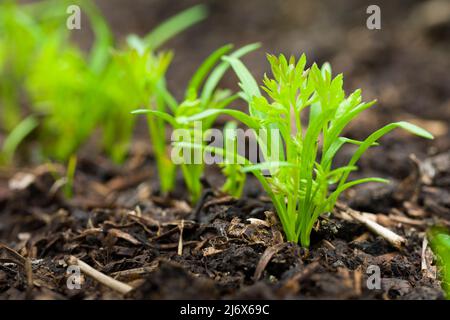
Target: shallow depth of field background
[{"x": 404, "y": 65}]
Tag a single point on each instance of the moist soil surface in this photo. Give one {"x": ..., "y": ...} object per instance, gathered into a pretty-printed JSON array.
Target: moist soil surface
[
  {"x": 118, "y": 223},
  {"x": 222, "y": 248}
]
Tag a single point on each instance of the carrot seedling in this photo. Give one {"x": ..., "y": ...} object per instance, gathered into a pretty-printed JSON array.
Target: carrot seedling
[
  {"x": 201, "y": 94},
  {"x": 297, "y": 172},
  {"x": 130, "y": 82},
  {"x": 440, "y": 243},
  {"x": 15, "y": 58},
  {"x": 71, "y": 93},
  {"x": 231, "y": 169}
]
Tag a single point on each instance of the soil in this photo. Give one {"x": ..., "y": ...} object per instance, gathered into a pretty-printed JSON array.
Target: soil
[{"x": 119, "y": 224}]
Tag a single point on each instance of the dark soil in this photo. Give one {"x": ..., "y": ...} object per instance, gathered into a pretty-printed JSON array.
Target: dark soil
[
  {"x": 234, "y": 248},
  {"x": 229, "y": 248}
]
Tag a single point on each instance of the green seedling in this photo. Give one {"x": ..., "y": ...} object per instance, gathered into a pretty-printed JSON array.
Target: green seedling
[
  {"x": 16, "y": 137},
  {"x": 302, "y": 181},
  {"x": 130, "y": 82},
  {"x": 135, "y": 76},
  {"x": 45, "y": 75},
  {"x": 23, "y": 28},
  {"x": 70, "y": 176},
  {"x": 235, "y": 177},
  {"x": 70, "y": 93},
  {"x": 60, "y": 86},
  {"x": 15, "y": 58},
  {"x": 440, "y": 244},
  {"x": 201, "y": 94}
]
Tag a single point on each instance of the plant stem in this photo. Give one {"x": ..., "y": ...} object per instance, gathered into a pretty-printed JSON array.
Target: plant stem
[{"x": 70, "y": 175}]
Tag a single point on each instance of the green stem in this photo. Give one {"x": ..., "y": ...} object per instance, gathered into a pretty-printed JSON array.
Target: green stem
[{"x": 70, "y": 176}]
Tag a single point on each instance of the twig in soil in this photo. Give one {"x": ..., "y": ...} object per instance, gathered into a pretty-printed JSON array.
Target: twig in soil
[
  {"x": 136, "y": 272},
  {"x": 165, "y": 234},
  {"x": 426, "y": 260},
  {"x": 422, "y": 224},
  {"x": 265, "y": 259},
  {"x": 123, "y": 235},
  {"x": 29, "y": 273},
  {"x": 390, "y": 236},
  {"x": 180, "y": 241},
  {"x": 116, "y": 285},
  {"x": 424, "y": 250},
  {"x": 13, "y": 256},
  {"x": 328, "y": 244},
  {"x": 170, "y": 246},
  {"x": 198, "y": 208}
]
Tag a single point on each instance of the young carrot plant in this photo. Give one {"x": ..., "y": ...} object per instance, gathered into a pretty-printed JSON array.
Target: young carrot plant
[
  {"x": 60, "y": 89},
  {"x": 302, "y": 181},
  {"x": 70, "y": 94},
  {"x": 201, "y": 94},
  {"x": 46, "y": 77},
  {"x": 440, "y": 243},
  {"x": 130, "y": 82},
  {"x": 16, "y": 57},
  {"x": 231, "y": 169}
]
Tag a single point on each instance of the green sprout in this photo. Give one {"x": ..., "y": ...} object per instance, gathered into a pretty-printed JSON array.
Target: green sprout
[
  {"x": 47, "y": 78},
  {"x": 67, "y": 93},
  {"x": 440, "y": 243},
  {"x": 302, "y": 181},
  {"x": 231, "y": 169},
  {"x": 201, "y": 94},
  {"x": 61, "y": 89},
  {"x": 132, "y": 79},
  {"x": 15, "y": 58},
  {"x": 130, "y": 82}
]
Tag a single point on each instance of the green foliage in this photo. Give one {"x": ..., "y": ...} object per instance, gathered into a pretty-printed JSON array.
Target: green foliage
[
  {"x": 134, "y": 79},
  {"x": 62, "y": 89},
  {"x": 15, "y": 57},
  {"x": 131, "y": 82},
  {"x": 235, "y": 177},
  {"x": 201, "y": 94},
  {"x": 17, "y": 135},
  {"x": 174, "y": 25},
  {"x": 47, "y": 76},
  {"x": 303, "y": 184},
  {"x": 71, "y": 93},
  {"x": 440, "y": 244}
]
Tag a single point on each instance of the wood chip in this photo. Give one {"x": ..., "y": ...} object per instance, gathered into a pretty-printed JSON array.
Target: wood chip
[
  {"x": 265, "y": 259},
  {"x": 258, "y": 222},
  {"x": 123, "y": 235},
  {"x": 21, "y": 181},
  {"x": 210, "y": 251}
]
